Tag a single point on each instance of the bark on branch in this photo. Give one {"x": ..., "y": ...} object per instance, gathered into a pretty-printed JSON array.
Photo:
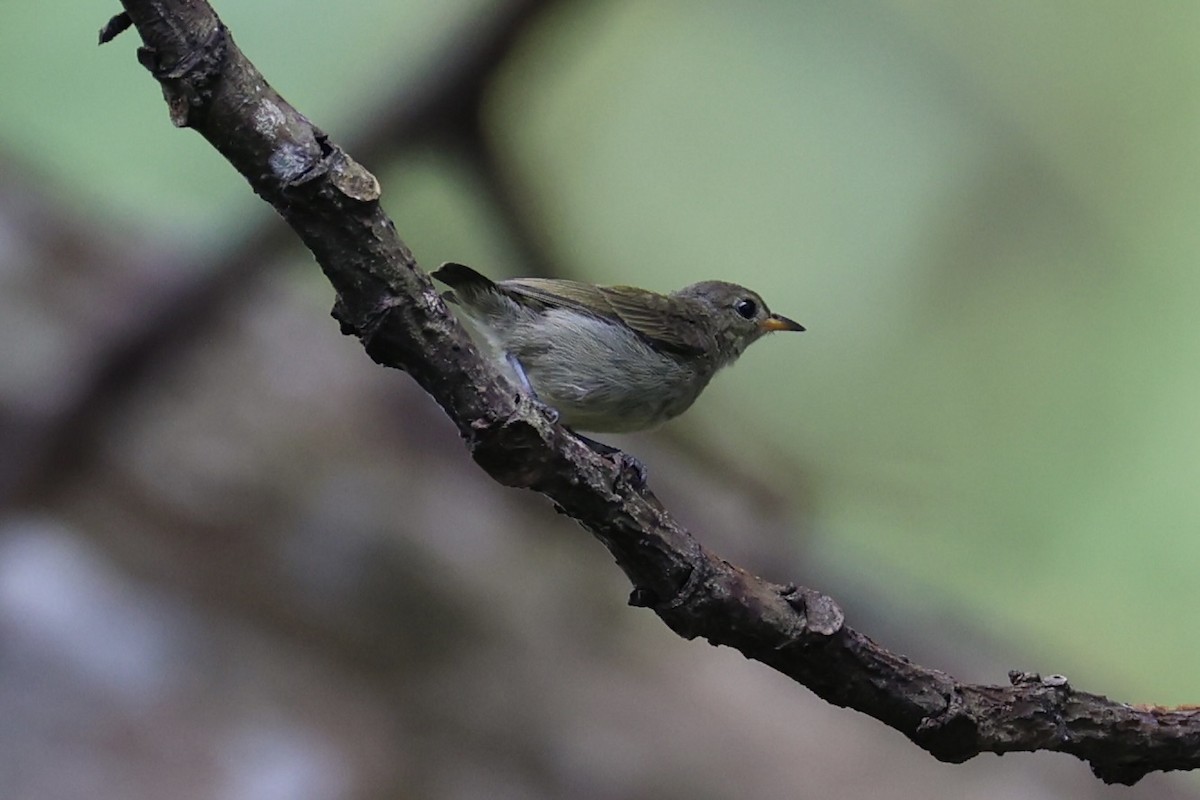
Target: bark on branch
[{"x": 389, "y": 303}]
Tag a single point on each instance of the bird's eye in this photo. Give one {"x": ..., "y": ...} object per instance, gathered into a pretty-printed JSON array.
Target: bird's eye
[{"x": 746, "y": 308}]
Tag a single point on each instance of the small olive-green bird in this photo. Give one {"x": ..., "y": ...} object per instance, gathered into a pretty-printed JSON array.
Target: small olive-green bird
[{"x": 612, "y": 358}]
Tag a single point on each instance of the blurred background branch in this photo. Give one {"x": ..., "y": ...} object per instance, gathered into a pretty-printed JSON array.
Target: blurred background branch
[{"x": 155, "y": 321}]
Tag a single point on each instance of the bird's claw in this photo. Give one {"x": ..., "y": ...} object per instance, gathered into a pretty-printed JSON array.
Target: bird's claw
[
  {"x": 549, "y": 412},
  {"x": 628, "y": 465},
  {"x": 633, "y": 467}
]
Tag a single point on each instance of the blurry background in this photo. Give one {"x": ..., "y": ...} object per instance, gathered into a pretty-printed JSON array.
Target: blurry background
[{"x": 237, "y": 560}]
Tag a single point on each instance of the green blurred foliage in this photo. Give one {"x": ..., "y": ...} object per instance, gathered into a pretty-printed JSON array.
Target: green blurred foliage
[
  {"x": 92, "y": 118},
  {"x": 993, "y": 335},
  {"x": 984, "y": 213}
]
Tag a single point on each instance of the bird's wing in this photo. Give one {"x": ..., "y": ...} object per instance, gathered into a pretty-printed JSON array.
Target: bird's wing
[
  {"x": 657, "y": 318},
  {"x": 660, "y": 319}
]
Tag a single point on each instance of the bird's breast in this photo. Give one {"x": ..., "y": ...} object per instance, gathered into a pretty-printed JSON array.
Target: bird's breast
[{"x": 604, "y": 378}]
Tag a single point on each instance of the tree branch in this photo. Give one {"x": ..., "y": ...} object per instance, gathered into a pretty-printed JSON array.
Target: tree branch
[
  {"x": 385, "y": 300},
  {"x": 160, "y": 319}
]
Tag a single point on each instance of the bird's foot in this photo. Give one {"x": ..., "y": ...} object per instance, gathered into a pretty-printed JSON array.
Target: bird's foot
[
  {"x": 629, "y": 465},
  {"x": 547, "y": 411},
  {"x": 632, "y": 466}
]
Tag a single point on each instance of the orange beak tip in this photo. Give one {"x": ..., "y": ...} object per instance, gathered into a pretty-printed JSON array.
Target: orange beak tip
[{"x": 778, "y": 323}]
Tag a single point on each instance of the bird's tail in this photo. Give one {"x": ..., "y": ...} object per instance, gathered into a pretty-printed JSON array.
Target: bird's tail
[{"x": 466, "y": 281}]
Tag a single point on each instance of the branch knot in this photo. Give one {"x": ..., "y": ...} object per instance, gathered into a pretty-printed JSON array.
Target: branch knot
[
  {"x": 819, "y": 613},
  {"x": 950, "y": 735},
  {"x": 188, "y": 83}
]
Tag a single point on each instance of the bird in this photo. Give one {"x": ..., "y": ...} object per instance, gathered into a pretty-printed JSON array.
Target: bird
[{"x": 611, "y": 359}]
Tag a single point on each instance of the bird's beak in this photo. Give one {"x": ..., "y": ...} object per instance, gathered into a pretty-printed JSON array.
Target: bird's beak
[{"x": 778, "y": 323}]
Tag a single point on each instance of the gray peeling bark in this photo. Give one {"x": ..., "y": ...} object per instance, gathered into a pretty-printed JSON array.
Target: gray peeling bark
[{"x": 389, "y": 303}]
